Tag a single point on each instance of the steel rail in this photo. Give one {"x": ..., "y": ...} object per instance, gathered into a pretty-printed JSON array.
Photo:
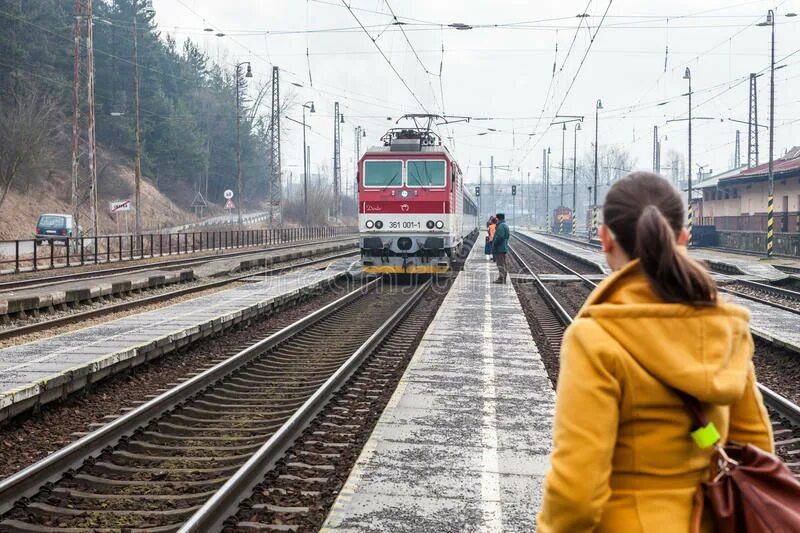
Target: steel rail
[
  {"x": 34, "y": 283},
  {"x": 563, "y": 316},
  {"x": 780, "y": 291},
  {"x": 28, "y": 481},
  {"x": 225, "y": 502},
  {"x": 526, "y": 240},
  {"x": 586, "y": 281},
  {"x": 124, "y": 306}
]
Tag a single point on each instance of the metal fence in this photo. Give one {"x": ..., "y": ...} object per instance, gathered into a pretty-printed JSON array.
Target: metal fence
[{"x": 61, "y": 252}]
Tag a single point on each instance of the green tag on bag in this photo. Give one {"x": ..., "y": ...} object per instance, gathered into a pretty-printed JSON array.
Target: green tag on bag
[{"x": 706, "y": 436}]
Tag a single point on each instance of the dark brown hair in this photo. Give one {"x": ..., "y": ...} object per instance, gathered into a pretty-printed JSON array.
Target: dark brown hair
[{"x": 645, "y": 213}]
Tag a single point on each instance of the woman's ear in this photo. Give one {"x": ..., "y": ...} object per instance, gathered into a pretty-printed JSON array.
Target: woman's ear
[
  {"x": 683, "y": 237},
  {"x": 605, "y": 239}
]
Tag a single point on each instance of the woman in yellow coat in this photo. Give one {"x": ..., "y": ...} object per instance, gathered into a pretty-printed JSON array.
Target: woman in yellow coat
[{"x": 623, "y": 459}]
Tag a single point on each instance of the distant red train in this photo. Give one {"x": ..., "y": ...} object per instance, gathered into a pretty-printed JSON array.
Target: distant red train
[{"x": 414, "y": 213}]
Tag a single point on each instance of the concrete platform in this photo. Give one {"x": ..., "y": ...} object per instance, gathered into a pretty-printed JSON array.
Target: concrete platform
[
  {"x": 463, "y": 444},
  {"x": 749, "y": 265},
  {"x": 35, "y": 299},
  {"x": 41, "y": 371}
]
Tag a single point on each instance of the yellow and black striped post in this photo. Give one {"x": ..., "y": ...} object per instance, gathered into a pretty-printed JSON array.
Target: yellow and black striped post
[
  {"x": 770, "y": 223},
  {"x": 593, "y": 233},
  {"x": 690, "y": 224},
  {"x": 548, "y": 229},
  {"x": 560, "y": 226},
  {"x": 575, "y": 222}
]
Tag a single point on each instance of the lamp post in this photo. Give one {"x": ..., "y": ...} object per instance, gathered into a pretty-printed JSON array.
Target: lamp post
[
  {"x": 575, "y": 176},
  {"x": 248, "y": 74},
  {"x": 688, "y": 76},
  {"x": 148, "y": 8},
  {"x": 563, "y": 135},
  {"x": 310, "y": 106},
  {"x": 597, "y": 109},
  {"x": 547, "y": 190}
]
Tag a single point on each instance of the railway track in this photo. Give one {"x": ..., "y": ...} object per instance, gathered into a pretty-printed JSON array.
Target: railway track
[
  {"x": 778, "y": 297},
  {"x": 72, "y": 318},
  {"x": 551, "y": 319},
  {"x": 155, "y": 466},
  {"x": 38, "y": 282},
  {"x": 562, "y": 261}
]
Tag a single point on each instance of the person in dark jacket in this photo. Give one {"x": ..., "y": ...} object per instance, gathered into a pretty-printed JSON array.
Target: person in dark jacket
[{"x": 500, "y": 246}]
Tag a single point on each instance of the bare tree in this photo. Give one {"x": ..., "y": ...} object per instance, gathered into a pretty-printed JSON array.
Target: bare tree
[{"x": 26, "y": 126}]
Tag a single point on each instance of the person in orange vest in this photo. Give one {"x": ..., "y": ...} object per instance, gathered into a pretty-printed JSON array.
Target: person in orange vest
[{"x": 491, "y": 226}]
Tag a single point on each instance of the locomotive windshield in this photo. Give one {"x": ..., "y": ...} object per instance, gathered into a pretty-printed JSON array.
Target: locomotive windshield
[
  {"x": 426, "y": 173},
  {"x": 383, "y": 173}
]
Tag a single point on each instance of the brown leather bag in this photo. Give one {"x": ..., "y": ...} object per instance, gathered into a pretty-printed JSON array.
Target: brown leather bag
[{"x": 749, "y": 490}]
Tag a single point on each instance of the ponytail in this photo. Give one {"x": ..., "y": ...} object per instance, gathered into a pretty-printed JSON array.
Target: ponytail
[
  {"x": 650, "y": 233},
  {"x": 673, "y": 275}
]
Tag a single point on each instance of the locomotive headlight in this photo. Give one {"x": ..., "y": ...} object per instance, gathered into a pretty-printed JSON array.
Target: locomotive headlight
[
  {"x": 378, "y": 224},
  {"x": 429, "y": 224},
  {"x": 439, "y": 224},
  {"x": 369, "y": 224}
]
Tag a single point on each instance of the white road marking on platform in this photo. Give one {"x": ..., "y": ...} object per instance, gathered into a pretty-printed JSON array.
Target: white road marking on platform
[{"x": 490, "y": 477}]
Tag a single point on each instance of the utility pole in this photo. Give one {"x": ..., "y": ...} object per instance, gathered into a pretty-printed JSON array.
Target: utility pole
[
  {"x": 575, "y": 178},
  {"x": 239, "y": 198},
  {"x": 656, "y": 150},
  {"x": 737, "y": 155},
  {"x": 90, "y": 113},
  {"x": 337, "y": 162},
  {"x": 752, "y": 124},
  {"x": 76, "y": 109},
  {"x": 528, "y": 194},
  {"x": 275, "y": 185},
  {"x": 544, "y": 182},
  {"x": 688, "y": 76},
  {"x": 491, "y": 179},
  {"x": 597, "y": 109},
  {"x": 563, "y": 135},
  {"x": 480, "y": 188},
  {"x": 547, "y": 190},
  {"x": 137, "y": 132},
  {"x": 770, "y": 194}
]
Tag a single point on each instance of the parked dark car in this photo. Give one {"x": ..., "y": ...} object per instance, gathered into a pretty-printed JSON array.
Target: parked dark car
[{"x": 56, "y": 227}]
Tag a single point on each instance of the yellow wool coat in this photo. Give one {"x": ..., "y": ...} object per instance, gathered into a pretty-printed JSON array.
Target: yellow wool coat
[{"x": 622, "y": 459}]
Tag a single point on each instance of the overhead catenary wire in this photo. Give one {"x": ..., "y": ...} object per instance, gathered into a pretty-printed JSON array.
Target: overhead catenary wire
[{"x": 388, "y": 61}]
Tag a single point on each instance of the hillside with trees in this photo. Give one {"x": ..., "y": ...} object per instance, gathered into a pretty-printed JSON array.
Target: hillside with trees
[{"x": 188, "y": 113}]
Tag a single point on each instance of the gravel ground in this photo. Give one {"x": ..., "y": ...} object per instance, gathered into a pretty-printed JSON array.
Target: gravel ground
[
  {"x": 570, "y": 294},
  {"x": 538, "y": 264},
  {"x": 778, "y": 369},
  {"x": 535, "y": 309},
  {"x": 763, "y": 295},
  {"x": 28, "y": 438}
]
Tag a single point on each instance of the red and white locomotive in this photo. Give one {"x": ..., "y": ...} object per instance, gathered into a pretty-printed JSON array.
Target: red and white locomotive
[{"x": 414, "y": 213}]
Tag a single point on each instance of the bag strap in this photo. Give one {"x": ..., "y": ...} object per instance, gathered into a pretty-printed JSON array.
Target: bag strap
[{"x": 703, "y": 431}]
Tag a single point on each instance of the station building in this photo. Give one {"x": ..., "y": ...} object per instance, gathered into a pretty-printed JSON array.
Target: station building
[{"x": 731, "y": 208}]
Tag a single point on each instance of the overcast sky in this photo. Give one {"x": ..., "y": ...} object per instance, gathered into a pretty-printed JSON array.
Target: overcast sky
[{"x": 502, "y": 69}]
